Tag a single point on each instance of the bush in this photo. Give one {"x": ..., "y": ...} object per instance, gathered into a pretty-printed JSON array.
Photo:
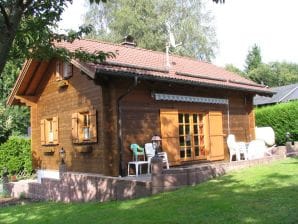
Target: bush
[
  {"x": 282, "y": 118},
  {"x": 15, "y": 155}
]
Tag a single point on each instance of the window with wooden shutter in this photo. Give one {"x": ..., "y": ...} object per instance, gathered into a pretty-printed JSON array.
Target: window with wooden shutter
[
  {"x": 49, "y": 131},
  {"x": 84, "y": 127},
  {"x": 64, "y": 70},
  {"x": 216, "y": 136},
  {"x": 170, "y": 134}
]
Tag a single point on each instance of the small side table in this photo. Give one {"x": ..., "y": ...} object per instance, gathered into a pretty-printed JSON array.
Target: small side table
[{"x": 137, "y": 164}]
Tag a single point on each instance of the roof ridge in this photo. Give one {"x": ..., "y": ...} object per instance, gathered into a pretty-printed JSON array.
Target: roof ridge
[
  {"x": 120, "y": 45},
  {"x": 150, "y": 50}
]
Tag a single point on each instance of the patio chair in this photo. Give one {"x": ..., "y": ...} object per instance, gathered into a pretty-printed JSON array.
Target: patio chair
[
  {"x": 137, "y": 151},
  {"x": 236, "y": 149},
  {"x": 150, "y": 152},
  {"x": 256, "y": 149},
  {"x": 268, "y": 136}
]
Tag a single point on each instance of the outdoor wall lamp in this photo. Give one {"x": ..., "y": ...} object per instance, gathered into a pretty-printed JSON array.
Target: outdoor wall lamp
[
  {"x": 62, "y": 155},
  {"x": 156, "y": 143}
]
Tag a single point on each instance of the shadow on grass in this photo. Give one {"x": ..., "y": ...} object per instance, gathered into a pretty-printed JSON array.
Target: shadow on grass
[{"x": 258, "y": 195}]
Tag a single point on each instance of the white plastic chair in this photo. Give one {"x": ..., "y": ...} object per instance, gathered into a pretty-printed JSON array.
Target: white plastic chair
[
  {"x": 236, "y": 148},
  {"x": 150, "y": 152},
  {"x": 256, "y": 149}
]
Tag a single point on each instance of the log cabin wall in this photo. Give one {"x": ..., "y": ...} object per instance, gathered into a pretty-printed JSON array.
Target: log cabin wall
[
  {"x": 80, "y": 93},
  {"x": 141, "y": 113},
  {"x": 140, "y": 118}
]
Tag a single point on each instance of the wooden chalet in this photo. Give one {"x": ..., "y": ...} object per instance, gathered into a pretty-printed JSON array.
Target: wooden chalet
[{"x": 95, "y": 111}]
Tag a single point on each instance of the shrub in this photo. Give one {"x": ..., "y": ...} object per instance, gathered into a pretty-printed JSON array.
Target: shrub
[
  {"x": 15, "y": 155},
  {"x": 282, "y": 118}
]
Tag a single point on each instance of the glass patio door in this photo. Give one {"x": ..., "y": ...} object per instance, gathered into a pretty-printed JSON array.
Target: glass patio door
[{"x": 191, "y": 136}]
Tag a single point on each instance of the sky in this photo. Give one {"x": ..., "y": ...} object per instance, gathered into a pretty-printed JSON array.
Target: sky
[{"x": 239, "y": 24}]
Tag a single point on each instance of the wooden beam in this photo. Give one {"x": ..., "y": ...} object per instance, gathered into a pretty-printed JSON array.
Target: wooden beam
[{"x": 28, "y": 100}]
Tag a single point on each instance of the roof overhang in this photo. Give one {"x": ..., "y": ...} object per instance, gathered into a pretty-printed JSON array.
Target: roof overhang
[
  {"x": 149, "y": 75},
  {"x": 27, "y": 82}
]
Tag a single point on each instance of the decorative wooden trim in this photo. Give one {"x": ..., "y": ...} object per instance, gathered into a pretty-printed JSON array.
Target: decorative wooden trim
[{"x": 28, "y": 100}]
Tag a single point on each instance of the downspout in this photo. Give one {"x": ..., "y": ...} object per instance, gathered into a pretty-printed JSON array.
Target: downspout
[
  {"x": 119, "y": 124},
  {"x": 228, "y": 113}
]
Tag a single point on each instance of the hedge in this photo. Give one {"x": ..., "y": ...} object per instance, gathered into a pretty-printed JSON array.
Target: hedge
[
  {"x": 282, "y": 118},
  {"x": 15, "y": 155}
]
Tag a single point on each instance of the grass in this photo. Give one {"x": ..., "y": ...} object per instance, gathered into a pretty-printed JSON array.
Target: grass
[{"x": 265, "y": 194}]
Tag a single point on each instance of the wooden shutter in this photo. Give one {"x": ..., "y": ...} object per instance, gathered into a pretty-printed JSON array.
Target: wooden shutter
[
  {"x": 58, "y": 70},
  {"x": 216, "y": 135},
  {"x": 93, "y": 126},
  {"x": 67, "y": 70},
  {"x": 55, "y": 130},
  {"x": 170, "y": 134},
  {"x": 80, "y": 123},
  {"x": 42, "y": 132},
  {"x": 74, "y": 128}
]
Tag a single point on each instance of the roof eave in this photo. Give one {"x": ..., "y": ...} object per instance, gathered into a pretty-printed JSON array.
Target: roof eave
[
  {"x": 11, "y": 98},
  {"x": 205, "y": 84}
]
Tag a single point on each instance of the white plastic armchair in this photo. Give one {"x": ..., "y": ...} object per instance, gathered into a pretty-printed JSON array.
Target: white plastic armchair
[
  {"x": 236, "y": 148},
  {"x": 150, "y": 152}
]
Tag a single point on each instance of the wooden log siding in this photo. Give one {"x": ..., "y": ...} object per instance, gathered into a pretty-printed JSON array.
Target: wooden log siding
[{"x": 141, "y": 119}]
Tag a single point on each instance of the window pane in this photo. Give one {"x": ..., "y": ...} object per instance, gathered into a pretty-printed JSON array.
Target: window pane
[
  {"x": 196, "y": 139},
  {"x": 182, "y": 142},
  {"x": 197, "y": 151},
  {"x": 187, "y": 129},
  {"x": 182, "y": 153},
  {"x": 195, "y": 118},
  {"x": 188, "y": 140},
  {"x": 186, "y": 118},
  {"x": 188, "y": 152},
  {"x": 181, "y": 131},
  {"x": 195, "y": 129},
  {"x": 180, "y": 117}
]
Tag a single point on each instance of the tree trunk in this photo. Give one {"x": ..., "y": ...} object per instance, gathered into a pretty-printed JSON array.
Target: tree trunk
[{"x": 8, "y": 32}]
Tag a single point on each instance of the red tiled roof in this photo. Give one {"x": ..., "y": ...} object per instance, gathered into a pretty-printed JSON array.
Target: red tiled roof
[{"x": 152, "y": 64}]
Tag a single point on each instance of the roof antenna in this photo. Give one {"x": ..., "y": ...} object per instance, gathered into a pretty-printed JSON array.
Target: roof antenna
[{"x": 171, "y": 42}]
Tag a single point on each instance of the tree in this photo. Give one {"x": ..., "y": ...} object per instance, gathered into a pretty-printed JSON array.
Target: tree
[
  {"x": 146, "y": 21},
  {"x": 13, "y": 120},
  {"x": 27, "y": 25},
  {"x": 253, "y": 58},
  {"x": 234, "y": 69}
]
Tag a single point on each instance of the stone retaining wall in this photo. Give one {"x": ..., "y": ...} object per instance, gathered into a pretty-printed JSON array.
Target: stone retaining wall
[
  {"x": 165, "y": 180},
  {"x": 91, "y": 187},
  {"x": 81, "y": 187}
]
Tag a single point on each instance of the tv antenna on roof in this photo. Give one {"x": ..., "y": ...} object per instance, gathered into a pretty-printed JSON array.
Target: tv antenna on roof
[{"x": 171, "y": 42}]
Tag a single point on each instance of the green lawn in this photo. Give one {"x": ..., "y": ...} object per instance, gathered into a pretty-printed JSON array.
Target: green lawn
[{"x": 267, "y": 194}]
